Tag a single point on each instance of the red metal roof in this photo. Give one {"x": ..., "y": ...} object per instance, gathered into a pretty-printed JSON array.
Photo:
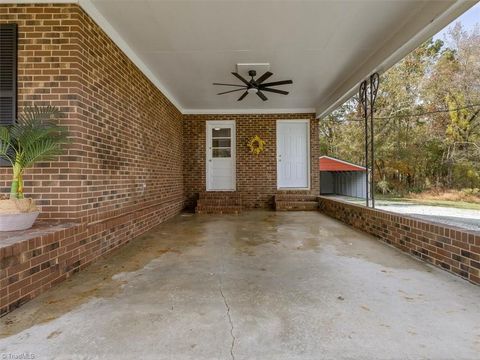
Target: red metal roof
[{"x": 327, "y": 163}]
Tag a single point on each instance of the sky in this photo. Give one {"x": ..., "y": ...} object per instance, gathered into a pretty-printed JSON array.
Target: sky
[{"x": 468, "y": 20}]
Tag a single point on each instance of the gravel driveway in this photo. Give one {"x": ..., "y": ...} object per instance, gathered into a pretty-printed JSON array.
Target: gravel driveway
[{"x": 464, "y": 218}]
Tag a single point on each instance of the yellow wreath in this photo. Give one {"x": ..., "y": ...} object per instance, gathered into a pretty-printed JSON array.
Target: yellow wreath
[{"x": 256, "y": 145}]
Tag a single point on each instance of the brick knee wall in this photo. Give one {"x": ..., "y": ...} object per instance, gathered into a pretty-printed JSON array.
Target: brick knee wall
[
  {"x": 32, "y": 266},
  {"x": 452, "y": 249}
]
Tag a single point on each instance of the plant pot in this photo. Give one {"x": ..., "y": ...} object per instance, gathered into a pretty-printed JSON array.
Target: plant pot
[{"x": 20, "y": 221}]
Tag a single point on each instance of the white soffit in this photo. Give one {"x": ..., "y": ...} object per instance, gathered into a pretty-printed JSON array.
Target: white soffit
[{"x": 325, "y": 47}]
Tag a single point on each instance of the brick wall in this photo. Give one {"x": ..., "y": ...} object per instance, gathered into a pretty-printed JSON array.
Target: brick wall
[
  {"x": 451, "y": 249},
  {"x": 256, "y": 175},
  {"x": 47, "y": 47},
  {"x": 122, "y": 172},
  {"x": 126, "y": 150}
]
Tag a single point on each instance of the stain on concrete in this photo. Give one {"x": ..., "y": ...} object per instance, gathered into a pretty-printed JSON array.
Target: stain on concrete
[{"x": 54, "y": 334}]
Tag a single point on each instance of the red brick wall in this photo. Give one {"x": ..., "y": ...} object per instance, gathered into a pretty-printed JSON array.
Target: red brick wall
[
  {"x": 451, "y": 249},
  {"x": 124, "y": 134},
  {"x": 132, "y": 135},
  {"x": 46, "y": 51},
  {"x": 256, "y": 175},
  {"x": 126, "y": 150}
]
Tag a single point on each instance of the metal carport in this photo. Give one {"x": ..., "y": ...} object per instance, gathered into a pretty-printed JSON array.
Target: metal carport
[{"x": 340, "y": 177}]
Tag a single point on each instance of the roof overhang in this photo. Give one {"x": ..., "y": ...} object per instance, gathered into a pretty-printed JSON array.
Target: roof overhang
[
  {"x": 331, "y": 164},
  {"x": 413, "y": 33},
  {"x": 326, "y": 47}
]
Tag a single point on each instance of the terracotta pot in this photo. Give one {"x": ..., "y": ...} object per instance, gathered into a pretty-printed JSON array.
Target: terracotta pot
[{"x": 20, "y": 221}]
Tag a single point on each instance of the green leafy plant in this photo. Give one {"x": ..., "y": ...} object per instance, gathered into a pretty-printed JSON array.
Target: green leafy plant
[{"x": 35, "y": 137}]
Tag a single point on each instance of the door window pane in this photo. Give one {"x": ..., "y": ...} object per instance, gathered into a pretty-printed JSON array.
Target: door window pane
[
  {"x": 218, "y": 132},
  {"x": 221, "y": 142},
  {"x": 221, "y": 153}
]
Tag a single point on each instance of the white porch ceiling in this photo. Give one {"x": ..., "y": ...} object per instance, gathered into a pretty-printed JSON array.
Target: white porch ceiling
[{"x": 325, "y": 47}]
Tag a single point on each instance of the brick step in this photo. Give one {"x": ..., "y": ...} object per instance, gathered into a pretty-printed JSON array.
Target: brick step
[
  {"x": 295, "y": 197},
  {"x": 219, "y": 195},
  {"x": 209, "y": 209},
  {"x": 219, "y": 202},
  {"x": 296, "y": 205}
]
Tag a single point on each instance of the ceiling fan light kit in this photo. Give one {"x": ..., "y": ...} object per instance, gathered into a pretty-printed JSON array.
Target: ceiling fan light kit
[{"x": 255, "y": 86}]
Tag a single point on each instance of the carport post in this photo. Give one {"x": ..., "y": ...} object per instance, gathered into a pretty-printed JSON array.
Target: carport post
[
  {"x": 374, "y": 82},
  {"x": 362, "y": 94},
  {"x": 364, "y": 91}
]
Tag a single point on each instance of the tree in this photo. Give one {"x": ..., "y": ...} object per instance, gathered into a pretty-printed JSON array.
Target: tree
[{"x": 440, "y": 148}]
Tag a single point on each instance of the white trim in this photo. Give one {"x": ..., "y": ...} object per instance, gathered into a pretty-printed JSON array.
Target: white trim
[
  {"x": 342, "y": 161},
  {"x": 309, "y": 160},
  {"x": 248, "y": 111},
  {"x": 233, "y": 147},
  {"x": 103, "y": 23},
  {"x": 93, "y": 12},
  {"x": 340, "y": 94}
]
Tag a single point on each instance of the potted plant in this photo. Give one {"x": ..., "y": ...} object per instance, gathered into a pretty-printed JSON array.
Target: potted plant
[{"x": 32, "y": 139}]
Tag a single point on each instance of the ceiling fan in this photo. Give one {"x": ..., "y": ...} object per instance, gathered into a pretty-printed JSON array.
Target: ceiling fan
[{"x": 257, "y": 86}]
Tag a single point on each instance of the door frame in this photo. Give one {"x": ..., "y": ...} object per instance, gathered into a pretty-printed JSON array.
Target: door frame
[
  {"x": 233, "y": 144},
  {"x": 309, "y": 160}
]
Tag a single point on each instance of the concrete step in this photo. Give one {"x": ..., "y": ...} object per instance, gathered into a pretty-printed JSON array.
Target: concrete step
[{"x": 296, "y": 205}]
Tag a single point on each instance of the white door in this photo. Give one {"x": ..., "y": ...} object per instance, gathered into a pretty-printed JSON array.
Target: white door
[
  {"x": 220, "y": 155},
  {"x": 293, "y": 147}
]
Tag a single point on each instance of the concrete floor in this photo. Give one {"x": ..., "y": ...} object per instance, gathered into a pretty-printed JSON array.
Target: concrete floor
[{"x": 262, "y": 285}]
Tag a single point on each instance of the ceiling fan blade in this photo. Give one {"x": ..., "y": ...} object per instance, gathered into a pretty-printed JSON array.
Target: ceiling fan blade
[
  {"x": 226, "y": 92},
  {"x": 264, "y": 77},
  {"x": 240, "y": 78},
  {"x": 275, "y": 91},
  {"x": 262, "y": 95},
  {"x": 275, "y": 83},
  {"x": 243, "y": 95},
  {"x": 229, "y": 84}
]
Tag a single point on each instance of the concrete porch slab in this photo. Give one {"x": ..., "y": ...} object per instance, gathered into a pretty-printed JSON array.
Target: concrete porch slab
[{"x": 261, "y": 285}]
